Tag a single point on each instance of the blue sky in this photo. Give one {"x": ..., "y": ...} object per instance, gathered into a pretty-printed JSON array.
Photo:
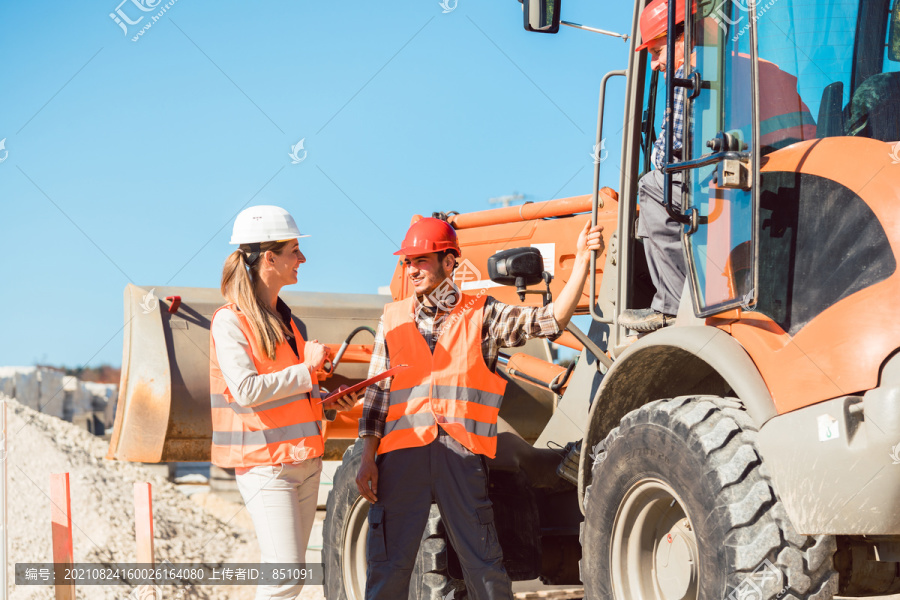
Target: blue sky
[{"x": 127, "y": 161}]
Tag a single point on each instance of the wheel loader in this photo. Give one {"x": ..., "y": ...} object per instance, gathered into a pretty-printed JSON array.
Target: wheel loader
[{"x": 749, "y": 450}]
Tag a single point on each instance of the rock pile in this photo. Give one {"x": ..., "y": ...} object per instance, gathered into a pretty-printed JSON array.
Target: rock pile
[{"x": 103, "y": 511}]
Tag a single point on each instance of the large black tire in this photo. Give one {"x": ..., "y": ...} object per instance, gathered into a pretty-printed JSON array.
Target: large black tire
[
  {"x": 344, "y": 544},
  {"x": 681, "y": 506}
]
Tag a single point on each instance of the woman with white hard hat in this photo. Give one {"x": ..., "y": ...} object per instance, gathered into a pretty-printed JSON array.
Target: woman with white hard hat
[{"x": 266, "y": 411}]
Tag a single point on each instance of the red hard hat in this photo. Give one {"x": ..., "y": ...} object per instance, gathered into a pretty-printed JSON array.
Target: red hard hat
[
  {"x": 429, "y": 235},
  {"x": 655, "y": 20}
]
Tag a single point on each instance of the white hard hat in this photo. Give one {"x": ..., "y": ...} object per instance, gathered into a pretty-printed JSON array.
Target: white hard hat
[{"x": 264, "y": 224}]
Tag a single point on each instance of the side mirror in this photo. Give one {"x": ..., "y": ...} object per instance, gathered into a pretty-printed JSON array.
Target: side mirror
[
  {"x": 894, "y": 36},
  {"x": 520, "y": 267},
  {"x": 541, "y": 16}
]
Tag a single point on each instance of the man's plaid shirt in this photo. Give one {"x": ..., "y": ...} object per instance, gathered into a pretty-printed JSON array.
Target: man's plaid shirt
[
  {"x": 504, "y": 326},
  {"x": 659, "y": 146}
]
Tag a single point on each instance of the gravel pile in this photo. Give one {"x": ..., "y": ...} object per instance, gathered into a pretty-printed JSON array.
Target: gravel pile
[{"x": 103, "y": 511}]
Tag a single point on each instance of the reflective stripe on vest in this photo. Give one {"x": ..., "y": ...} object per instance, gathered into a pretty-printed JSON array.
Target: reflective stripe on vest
[
  {"x": 286, "y": 430},
  {"x": 475, "y": 427},
  {"x": 779, "y": 131},
  {"x": 265, "y": 436},
  {"x": 785, "y": 121},
  {"x": 451, "y": 388},
  {"x": 425, "y": 419},
  {"x": 221, "y": 401},
  {"x": 451, "y": 392}
]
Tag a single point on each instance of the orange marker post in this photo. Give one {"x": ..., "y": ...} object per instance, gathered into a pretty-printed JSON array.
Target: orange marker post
[
  {"x": 143, "y": 522},
  {"x": 61, "y": 520}
]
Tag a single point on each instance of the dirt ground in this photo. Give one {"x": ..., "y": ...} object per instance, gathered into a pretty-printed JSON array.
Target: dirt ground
[{"x": 204, "y": 527}]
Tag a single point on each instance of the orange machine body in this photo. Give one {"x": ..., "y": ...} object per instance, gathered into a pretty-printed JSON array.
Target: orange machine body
[{"x": 841, "y": 349}]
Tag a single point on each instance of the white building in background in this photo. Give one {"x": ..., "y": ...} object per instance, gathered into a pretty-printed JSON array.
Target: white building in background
[{"x": 54, "y": 393}]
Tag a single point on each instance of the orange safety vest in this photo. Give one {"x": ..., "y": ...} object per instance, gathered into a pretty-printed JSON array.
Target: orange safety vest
[
  {"x": 279, "y": 431},
  {"x": 452, "y": 386},
  {"x": 784, "y": 117}
]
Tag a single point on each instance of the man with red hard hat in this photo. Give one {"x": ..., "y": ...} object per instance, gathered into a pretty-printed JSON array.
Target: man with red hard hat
[
  {"x": 661, "y": 233},
  {"x": 784, "y": 119},
  {"x": 428, "y": 429}
]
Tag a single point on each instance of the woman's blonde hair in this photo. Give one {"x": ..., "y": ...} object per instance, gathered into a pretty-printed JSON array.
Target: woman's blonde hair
[{"x": 240, "y": 280}]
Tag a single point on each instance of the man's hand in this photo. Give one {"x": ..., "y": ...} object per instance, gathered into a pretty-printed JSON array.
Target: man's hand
[
  {"x": 345, "y": 402},
  {"x": 314, "y": 355},
  {"x": 367, "y": 478},
  {"x": 590, "y": 238}
]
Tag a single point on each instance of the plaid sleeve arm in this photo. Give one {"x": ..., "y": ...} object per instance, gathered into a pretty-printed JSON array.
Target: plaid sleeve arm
[
  {"x": 659, "y": 146},
  {"x": 375, "y": 403},
  {"x": 678, "y": 129},
  {"x": 512, "y": 326},
  {"x": 659, "y": 149}
]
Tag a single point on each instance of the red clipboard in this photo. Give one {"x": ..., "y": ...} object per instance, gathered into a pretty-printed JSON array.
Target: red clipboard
[{"x": 364, "y": 384}]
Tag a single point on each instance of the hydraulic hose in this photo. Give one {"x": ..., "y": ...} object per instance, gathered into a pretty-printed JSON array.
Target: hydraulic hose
[{"x": 343, "y": 348}]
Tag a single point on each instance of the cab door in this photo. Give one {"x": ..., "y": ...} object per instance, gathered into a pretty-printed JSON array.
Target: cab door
[{"x": 719, "y": 216}]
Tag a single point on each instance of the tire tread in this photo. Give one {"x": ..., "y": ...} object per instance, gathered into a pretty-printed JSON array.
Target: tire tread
[{"x": 758, "y": 529}]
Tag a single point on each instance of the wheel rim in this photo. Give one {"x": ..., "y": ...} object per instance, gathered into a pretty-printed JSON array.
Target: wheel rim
[
  {"x": 353, "y": 550},
  {"x": 653, "y": 555}
]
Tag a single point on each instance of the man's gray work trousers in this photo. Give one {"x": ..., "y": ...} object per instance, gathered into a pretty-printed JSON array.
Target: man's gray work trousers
[
  {"x": 662, "y": 240},
  {"x": 409, "y": 480}
]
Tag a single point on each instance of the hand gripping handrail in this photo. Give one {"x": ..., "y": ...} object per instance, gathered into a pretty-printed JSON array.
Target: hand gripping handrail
[{"x": 596, "y": 202}]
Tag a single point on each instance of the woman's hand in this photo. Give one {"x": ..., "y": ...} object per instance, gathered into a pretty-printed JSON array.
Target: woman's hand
[
  {"x": 314, "y": 355},
  {"x": 345, "y": 402}
]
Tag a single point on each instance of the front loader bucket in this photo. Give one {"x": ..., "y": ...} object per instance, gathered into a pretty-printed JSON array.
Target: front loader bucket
[{"x": 163, "y": 410}]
